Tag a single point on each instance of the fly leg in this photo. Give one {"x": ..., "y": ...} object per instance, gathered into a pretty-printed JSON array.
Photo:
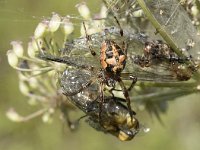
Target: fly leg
[
  {"x": 74, "y": 125},
  {"x": 65, "y": 113}
]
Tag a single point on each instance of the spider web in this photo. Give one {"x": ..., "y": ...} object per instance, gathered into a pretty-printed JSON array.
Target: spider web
[{"x": 175, "y": 20}]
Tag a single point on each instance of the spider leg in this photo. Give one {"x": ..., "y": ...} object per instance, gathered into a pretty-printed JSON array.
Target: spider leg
[
  {"x": 111, "y": 91},
  {"x": 126, "y": 95},
  {"x": 124, "y": 45},
  {"x": 134, "y": 80},
  {"x": 121, "y": 30},
  {"x": 88, "y": 38},
  {"x": 129, "y": 76},
  {"x": 124, "y": 48}
]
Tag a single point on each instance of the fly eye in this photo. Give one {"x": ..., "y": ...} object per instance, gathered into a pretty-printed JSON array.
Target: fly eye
[{"x": 126, "y": 135}]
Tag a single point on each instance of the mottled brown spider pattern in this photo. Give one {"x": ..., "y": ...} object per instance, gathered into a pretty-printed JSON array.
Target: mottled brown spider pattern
[{"x": 113, "y": 61}]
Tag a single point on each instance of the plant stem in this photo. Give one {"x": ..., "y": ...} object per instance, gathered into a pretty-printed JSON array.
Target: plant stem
[{"x": 159, "y": 28}]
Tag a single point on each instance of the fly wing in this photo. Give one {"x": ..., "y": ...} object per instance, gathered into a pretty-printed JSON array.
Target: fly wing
[
  {"x": 75, "y": 54},
  {"x": 80, "y": 50},
  {"x": 158, "y": 73}
]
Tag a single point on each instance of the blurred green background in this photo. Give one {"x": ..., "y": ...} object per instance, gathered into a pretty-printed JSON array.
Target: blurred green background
[{"x": 18, "y": 19}]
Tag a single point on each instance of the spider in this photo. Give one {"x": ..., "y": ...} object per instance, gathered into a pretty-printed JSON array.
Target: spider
[{"x": 112, "y": 63}]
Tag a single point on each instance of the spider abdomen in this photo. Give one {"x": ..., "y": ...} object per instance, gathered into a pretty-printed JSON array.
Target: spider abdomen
[{"x": 112, "y": 57}]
